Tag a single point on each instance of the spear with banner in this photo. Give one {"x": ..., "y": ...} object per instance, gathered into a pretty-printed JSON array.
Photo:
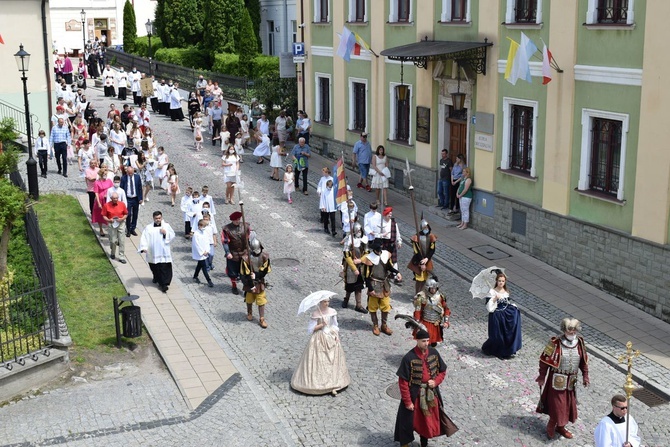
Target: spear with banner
[
  {"x": 342, "y": 194},
  {"x": 628, "y": 387}
]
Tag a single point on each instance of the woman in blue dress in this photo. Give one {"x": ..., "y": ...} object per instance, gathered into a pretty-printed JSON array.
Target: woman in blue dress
[{"x": 504, "y": 322}]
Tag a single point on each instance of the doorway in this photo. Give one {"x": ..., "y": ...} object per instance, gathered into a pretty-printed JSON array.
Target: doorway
[{"x": 456, "y": 132}]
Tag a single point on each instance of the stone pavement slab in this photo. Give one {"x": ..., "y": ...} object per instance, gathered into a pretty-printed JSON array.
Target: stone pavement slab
[{"x": 195, "y": 360}]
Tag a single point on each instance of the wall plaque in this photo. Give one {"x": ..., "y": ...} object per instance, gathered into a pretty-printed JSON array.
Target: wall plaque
[{"x": 423, "y": 124}]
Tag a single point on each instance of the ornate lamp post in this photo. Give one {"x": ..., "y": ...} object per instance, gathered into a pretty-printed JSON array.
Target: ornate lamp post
[
  {"x": 150, "y": 32},
  {"x": 83, "y": 30},
  {"x": 22, "y": 62}
]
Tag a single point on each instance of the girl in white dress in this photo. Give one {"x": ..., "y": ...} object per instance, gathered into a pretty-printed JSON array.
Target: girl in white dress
[
  {"x": 275, "y": 162},
  {"x": 263, "y": 148},
  {"x": 322, "y": 368},
  {"x": 380, "y": 174},
  {"x": 289, "y": 182},
  {"x": 239, "y": 145},
  {"x": 161, "y": 167},
  {"x": 197, "y": 132},
  {"x": 231, "y": 167},
  {"x": 173, "y": 181}
]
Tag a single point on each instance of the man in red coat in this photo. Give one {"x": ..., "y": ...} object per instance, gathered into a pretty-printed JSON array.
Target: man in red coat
[
  {"x": 560, "y": 363},
  {"x": 419, "y": 376}
]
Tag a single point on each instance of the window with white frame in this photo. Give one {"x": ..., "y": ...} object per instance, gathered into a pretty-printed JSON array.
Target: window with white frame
[
  {"x": 603, "y": 152},
  {"x": 455, "y": 11},
  {"x": 519, "y": 137},
  {"x": 610, "y": 12},
  {"x": 322, "y": 97},
  {"x": 400, "y": 113},
  {"x": 358, "y": 104},
  {"x": 357, "y": 11},
  {"x": 524, "y": 11},
  {"x": 401, "y": 11},
  {"x": 321, "y": 11}
]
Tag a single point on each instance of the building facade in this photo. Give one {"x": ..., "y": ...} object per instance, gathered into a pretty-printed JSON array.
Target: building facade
[
  {"x": 572, "y": 172},
  {"x": 25, "y": 22},
  {"x": 279, "y": 26},
  {"x": 102, "y": 18}
]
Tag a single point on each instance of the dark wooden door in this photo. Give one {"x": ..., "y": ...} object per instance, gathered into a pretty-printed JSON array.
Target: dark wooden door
[{"x": 457, "y": 138}]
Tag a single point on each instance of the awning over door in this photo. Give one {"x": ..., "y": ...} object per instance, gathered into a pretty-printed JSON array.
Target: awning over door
[{"x": 419, "y": 53}]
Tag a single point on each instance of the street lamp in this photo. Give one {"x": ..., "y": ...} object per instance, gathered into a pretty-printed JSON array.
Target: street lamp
[
  {"x": 22, "y": 62},
  {"x": 150, "y": 31},
  {"x": 83, "y": 30}
]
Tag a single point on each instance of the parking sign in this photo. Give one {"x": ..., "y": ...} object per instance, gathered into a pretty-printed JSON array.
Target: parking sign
[{"x": 298, "y": 49}]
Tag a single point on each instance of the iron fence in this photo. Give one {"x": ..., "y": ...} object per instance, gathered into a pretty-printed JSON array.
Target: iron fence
[
  {"x": 19, "y": 116},
  {"x": 30, "y": 317},
  {"x": 235, "y": 88}
]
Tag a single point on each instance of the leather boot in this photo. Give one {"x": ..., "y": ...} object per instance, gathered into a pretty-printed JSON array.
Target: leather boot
[
  {"x": 551, "y": 429},
  {"x": 564, "y": 432},
  {"x": 385, "y": 329},
  {"x": 375, "y": 323}
]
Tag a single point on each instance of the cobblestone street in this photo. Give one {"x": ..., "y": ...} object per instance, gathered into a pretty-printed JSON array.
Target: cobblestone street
[{"x": 492, "y": 401}]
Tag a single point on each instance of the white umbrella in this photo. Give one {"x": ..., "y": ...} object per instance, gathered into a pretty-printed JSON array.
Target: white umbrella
[
  {"x": 313, "y": 299},
  {"x": 484, "y": 281}
]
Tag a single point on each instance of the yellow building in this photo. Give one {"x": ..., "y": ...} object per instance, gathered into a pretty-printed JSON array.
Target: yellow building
[{"x": 569, "y": 171}]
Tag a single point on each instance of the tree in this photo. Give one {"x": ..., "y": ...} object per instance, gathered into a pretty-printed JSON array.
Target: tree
[
  {"x": 129, "y": 27},
  {"x": 254, "y": 8},
  {"x": 179, "y": 23},
  {"x": 247, "y": 45},
  {"x": 12, "y": 205},
  {"x": 221, "y": 30}
]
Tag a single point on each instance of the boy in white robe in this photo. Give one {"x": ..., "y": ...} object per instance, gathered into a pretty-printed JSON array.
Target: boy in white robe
[{"x": 155, "y": 244}]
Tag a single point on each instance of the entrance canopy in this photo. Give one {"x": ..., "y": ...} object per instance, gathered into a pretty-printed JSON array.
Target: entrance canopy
[{"x": 419, "y": 53}]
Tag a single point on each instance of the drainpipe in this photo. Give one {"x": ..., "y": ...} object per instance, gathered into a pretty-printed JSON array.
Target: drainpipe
[
  {"x": 302, "y": 39},
  {"x": 47, "y": 54}
]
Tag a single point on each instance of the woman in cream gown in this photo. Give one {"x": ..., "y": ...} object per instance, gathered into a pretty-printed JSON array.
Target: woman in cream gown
[{"x": 322, "y": 368}]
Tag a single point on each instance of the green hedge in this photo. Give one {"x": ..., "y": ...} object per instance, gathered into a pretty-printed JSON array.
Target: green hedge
[
  {"x": 142, "y": 45},
  {"x": 191, "y": 57},
  {"x": 262, "y": 66}
]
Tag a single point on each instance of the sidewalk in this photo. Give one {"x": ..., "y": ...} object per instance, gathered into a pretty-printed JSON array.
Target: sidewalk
[
  {"x": 543, "y": 293},
  {"x": 195, "y": 360}
]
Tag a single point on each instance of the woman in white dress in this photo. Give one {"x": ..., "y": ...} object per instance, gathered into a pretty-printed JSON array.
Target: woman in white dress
[
  {"x": 322, "y": 368},
  {"x": 263, "y": 147},
  {"x": 275, "y": 162},
  {"x": 380, "y": 174},
  {"x": 231, "y": 167},
  {"x": 118, "y": 138}
]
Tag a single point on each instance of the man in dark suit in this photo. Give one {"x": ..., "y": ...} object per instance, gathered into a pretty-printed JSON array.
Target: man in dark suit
[{"x": 131, "y": 183}]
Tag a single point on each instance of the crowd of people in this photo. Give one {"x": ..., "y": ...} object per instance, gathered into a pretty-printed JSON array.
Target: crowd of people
[{"x": 121, "y": 164}]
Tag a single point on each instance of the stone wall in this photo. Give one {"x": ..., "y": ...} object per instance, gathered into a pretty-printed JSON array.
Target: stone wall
[
  {"x": 634, "y": 270},
  {"x": 424, "y": 179}
]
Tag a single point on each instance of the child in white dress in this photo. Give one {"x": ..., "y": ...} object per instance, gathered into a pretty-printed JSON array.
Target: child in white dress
[
  {"x": 275, "y": 162},
  {"x": 239, "y": 146},
  {"x": 289, "y": 185}
]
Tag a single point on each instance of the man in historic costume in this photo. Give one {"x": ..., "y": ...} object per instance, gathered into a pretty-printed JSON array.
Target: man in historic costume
[
  {"x": 611, "y": 430},
  {"x": 377, "y": 270},
  {"x": 122, "y": 83},
  {"x": 155, "y": 243},
  {"x": 430, "y": 308},
  {"x": 234, "y": 239},
  {"x": 390, "y": 236},
  {"x": 372, "y": 222},
  {"x": 253, "y": 269},
  {"x": 560, "y": 363},
  {"x": 354, "y": 249},
  {"x": 419, "y": 376},
  {"x": 421, "y": 264}
]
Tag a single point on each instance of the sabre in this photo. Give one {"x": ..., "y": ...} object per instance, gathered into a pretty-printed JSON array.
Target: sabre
[{"x": 628, "y": 387}]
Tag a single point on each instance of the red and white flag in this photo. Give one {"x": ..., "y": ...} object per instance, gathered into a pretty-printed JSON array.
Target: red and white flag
[{"x": 546, "y": 67}]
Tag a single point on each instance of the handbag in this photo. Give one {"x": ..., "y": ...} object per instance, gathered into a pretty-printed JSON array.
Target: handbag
[{"x": 446, "y": 424}]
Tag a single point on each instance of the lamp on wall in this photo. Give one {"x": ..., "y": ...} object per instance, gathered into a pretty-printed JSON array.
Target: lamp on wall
[
  {"x": 403, "y": 90},
  {"x": 458, "y": 98}
]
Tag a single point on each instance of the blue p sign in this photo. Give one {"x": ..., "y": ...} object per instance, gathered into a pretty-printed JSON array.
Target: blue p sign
[{"x": 298, "y": 49}]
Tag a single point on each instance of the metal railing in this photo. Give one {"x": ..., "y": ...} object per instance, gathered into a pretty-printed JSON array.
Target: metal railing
[
  {"x": 30, "y": 317},
  {"x": 235, "y": 88},
  {"x": 19, "y": 116}
]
